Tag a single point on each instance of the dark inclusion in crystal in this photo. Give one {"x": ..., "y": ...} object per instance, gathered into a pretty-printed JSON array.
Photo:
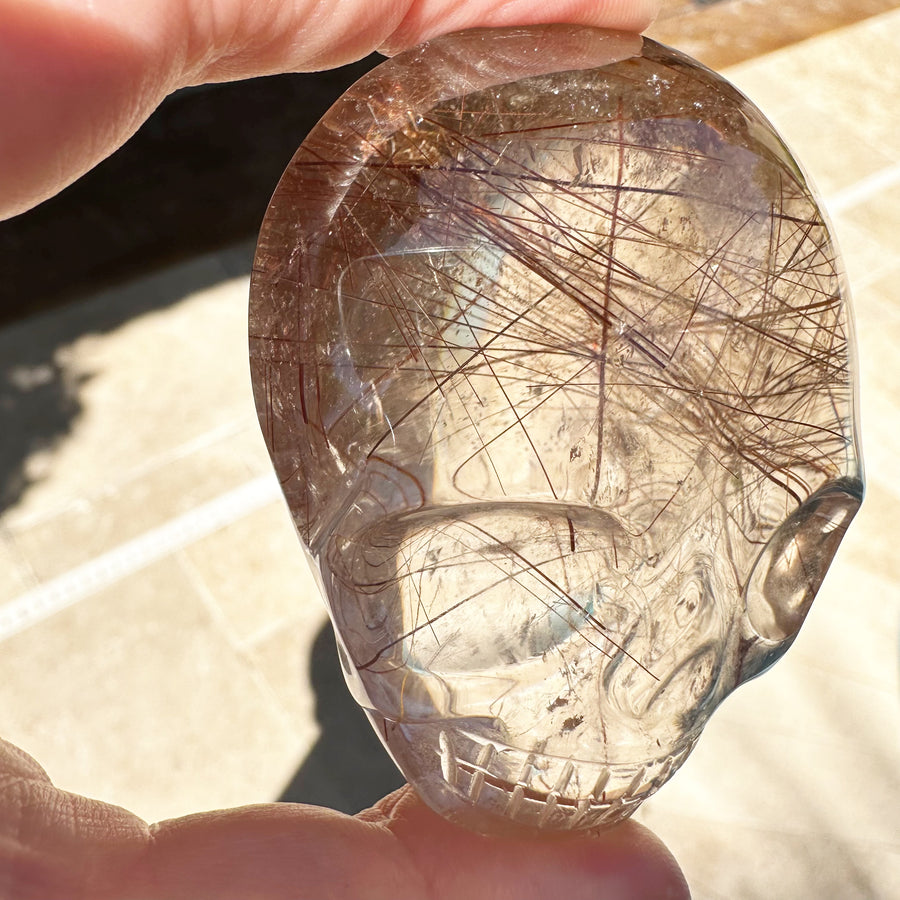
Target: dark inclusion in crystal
[{"x": 552, "y": 355}]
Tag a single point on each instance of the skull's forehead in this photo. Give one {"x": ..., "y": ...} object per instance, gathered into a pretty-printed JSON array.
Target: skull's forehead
[
  {"x": 606, "y": 310},
  {"x": 609, "y": 357}
]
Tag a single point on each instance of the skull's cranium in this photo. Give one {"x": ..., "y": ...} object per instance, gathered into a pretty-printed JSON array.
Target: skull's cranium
[{"x": 551, "y": 355}]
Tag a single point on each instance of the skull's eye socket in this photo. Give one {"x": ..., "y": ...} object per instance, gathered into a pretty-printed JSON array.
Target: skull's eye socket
[
  {"x": 791, "y": 568},
  {"x": 478, "y": 589}
]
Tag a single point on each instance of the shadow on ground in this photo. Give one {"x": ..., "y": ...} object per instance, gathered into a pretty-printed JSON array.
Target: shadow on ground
[
  {"x": 347, "y": 769},
  {"x": 196, "y": 178},
  {"x": 40, "y": 394}
]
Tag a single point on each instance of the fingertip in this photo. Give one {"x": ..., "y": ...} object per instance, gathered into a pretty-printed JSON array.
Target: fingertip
[
  {"x": 627, "y": 861},
  {"x": 76, "y": 86},
  {"x": 428, "y": 18}
]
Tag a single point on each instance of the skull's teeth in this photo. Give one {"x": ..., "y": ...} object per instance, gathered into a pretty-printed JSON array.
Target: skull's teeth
[
  {"x": 449, "y": 765},
  {"x": 530, "y": 798},
  {"x": 516, "y": 798},
  {"x": 481, "y": 769},
  {"x": 581, "y": 809},
  {"x": 636, "y": 782},
  {"x": 524, "y": 778},
  {"x": 564, "y": 778},
  {"x": 600, "y": 785},
  {"x": 550, "y": 805}
]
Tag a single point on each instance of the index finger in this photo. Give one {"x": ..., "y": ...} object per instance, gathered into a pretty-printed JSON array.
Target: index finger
[{"x": 78, "y": 79}]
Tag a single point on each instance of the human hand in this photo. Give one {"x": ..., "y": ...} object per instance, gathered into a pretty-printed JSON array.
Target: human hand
[
  {"x": 79, "y": 79},
  {"x": 59, "y": 846}
]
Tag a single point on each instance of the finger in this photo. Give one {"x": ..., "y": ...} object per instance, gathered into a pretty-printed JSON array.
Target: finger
[
  {"x": 427, "y": 18},
  {"x": 399, "y": 850},
  {"x": 272, "y": 852},
  {"x": 77, "y": 79},
  {"x": 55, "y": 845},
  {"x": 626, "y": 862}
]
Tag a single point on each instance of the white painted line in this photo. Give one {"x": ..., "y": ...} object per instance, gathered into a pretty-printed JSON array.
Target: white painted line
[
  {"x": 50, "y": 597},
  {"x": 863, "y": 189}
]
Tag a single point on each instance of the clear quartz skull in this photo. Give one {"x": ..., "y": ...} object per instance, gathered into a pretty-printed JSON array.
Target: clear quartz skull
[{"x": 551, "y": 350}]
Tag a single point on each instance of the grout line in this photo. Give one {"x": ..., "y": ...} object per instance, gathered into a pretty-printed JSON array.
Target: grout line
[
  {"x": 861, "y": 190},
  {"x": 273, "y": 627},
  {"x": 243, "y": 650},
  {"x": 20, "y": 562},
  {"x": 196, "y": 444},
  {"x": 213, "y": 609},
  {"x": 43, "y": 601}
]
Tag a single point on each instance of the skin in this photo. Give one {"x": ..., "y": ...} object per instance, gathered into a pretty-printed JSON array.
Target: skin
[{"x": 78, "y": 77}]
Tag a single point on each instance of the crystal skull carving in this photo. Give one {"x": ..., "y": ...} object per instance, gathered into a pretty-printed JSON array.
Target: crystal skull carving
[{"x": 551, "y": 351}]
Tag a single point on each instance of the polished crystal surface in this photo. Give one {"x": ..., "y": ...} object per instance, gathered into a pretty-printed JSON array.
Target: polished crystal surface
[{"x": 551, "y": 350}]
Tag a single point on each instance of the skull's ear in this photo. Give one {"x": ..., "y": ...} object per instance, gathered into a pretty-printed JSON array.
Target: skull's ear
[{"x": 790, "y": 569}]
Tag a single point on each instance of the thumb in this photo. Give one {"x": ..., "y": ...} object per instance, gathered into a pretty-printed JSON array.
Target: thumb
[
  {"x": 59, "y": 846},
  {"x": 626, "y": 862},
  {"x": 399, "y": 850}
]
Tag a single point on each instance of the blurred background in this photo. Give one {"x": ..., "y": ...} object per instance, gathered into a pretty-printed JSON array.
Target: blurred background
[{"x": 162, "y": 646}]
